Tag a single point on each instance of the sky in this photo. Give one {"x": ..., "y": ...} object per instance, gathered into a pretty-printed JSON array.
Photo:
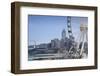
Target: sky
[{"x": 42, "y": 29}]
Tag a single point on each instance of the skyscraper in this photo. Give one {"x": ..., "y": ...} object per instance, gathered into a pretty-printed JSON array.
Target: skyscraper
[{"x": 63, "y": 34}]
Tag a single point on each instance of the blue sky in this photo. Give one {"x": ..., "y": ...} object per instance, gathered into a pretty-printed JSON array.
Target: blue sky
[{"x": 43, "y": 29}]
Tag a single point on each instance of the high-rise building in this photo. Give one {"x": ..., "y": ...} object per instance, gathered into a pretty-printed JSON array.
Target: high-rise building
[
  {"x": 55, "y": 43},
  {"x": 43, "y": 46},
  {"x": 63, "y": 34}
]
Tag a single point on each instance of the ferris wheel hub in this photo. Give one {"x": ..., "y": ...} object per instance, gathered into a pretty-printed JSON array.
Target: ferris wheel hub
[{"x": 83, "y": 27}]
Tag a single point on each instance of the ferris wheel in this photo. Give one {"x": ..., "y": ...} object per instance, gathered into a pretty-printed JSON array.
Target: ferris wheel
[
  {"x": 33, "y": 43},
  {"x": 83, "y": 37}
]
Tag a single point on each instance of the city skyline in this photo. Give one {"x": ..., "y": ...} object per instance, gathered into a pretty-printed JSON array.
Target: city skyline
[{"x": 43, "y": 29}]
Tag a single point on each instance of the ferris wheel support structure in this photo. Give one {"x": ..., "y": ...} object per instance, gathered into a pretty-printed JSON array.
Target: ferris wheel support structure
[{"x": 82, "y": 37}]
